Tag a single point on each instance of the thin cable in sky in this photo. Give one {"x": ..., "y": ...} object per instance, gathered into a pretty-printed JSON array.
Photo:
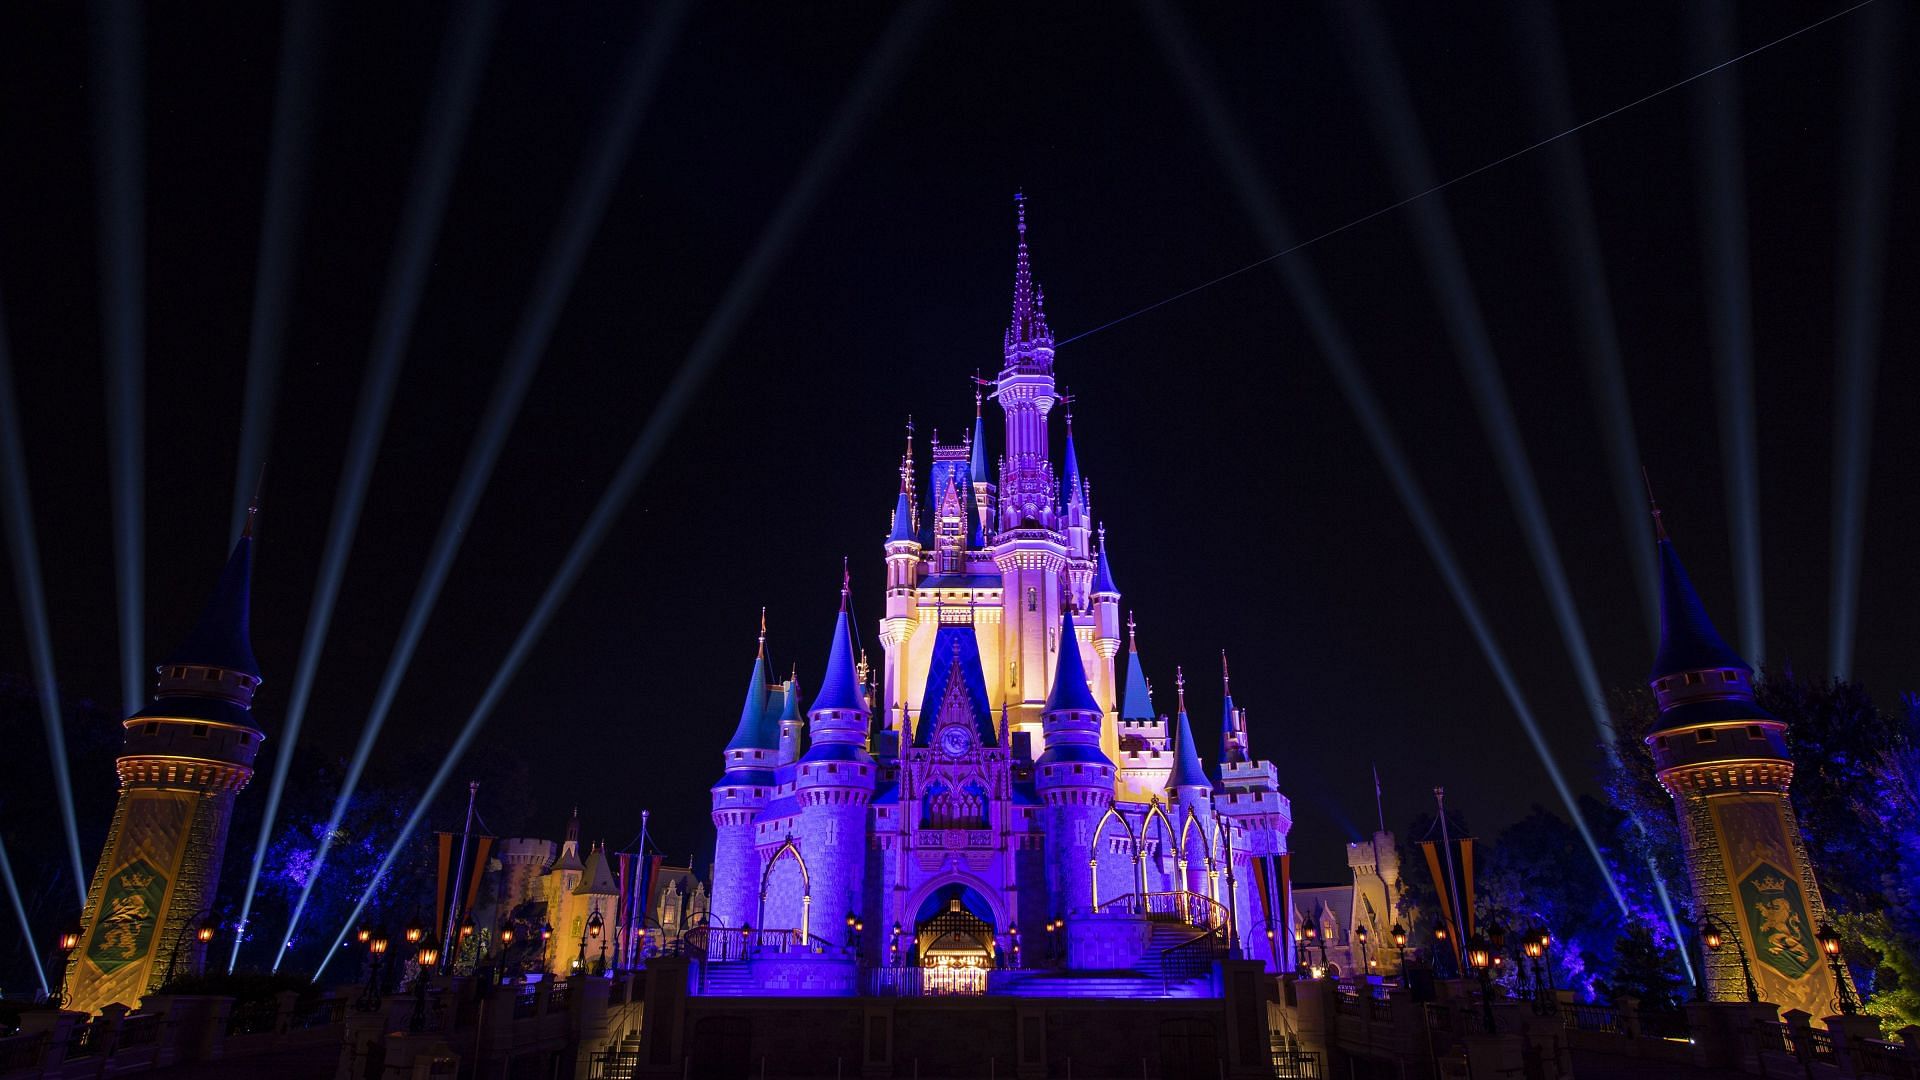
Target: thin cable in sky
[
  {"x": 586, "y": 206},
  {"x": 456, "y": 85},
  {"x": 1469, "y": 174},
  {"x": 871, "y": 87}
]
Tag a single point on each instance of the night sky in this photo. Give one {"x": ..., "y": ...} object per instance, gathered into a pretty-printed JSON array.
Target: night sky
[{"x": 1245, "y": 508}]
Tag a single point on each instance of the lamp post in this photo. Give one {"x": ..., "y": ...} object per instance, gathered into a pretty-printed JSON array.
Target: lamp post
[
  {"x": 893, "y": 945},
  {"x": 426, "y": 956},
  {"x": 1440, "y": 945},
  {"x": 1829, "y": 940},
  {"x": 201, "y": 929},
  {"x": 1535, "y": 947},
  {"x": 1480, "y": 958},
  {"x": 68, "y": 941},
  {"x": 594, "y": 923},
  {"x": 456, "y": 948},
  {"x": 506, "y": 943},
  {"x": 546, "y": 940},
  {"x": 376, "y": 949},
  {"x": 1714, "y": 934},
  {"x": 1399, "y": 935},
  {"x": 1366, "y": 961}
]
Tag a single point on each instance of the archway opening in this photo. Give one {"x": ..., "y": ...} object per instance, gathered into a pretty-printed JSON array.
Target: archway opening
[{"x": 953, "y": 936}]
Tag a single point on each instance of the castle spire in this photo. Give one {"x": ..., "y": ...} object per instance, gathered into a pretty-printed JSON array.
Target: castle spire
[
  {"x": 1137, "y": 702},
  {"x": 220, "y": 637},
  {"x": 1688, "y": 640},
  {"x": 1103, "y": 574},
  {"x": 1187, "y": 770},
  {"x": 840, "y": 686},
  {"x": 1029, "y": 324},
  {"x": 1070, "y": 691},
  {"x": 1070, "y": 467},
  {"x": 753, "y": 732}
]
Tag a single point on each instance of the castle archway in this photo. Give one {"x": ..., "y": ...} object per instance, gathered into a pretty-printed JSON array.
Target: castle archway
[{"x": 953, "y": 939}]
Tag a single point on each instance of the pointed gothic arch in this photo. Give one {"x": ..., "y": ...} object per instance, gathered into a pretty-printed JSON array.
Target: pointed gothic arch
[
  {"x": 788, "y": 848},
  {"x": 1093, "y": 848},
  {"x": 1171, "y": 839}
]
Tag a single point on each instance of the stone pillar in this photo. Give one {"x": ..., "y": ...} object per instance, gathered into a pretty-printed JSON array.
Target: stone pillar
[
  {"x": 1246, "y": 989},
  {"x": 661, "y": 1036}
]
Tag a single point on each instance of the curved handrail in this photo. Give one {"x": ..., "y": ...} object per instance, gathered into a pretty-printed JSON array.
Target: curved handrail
[{"x": 1192, "y": 908}]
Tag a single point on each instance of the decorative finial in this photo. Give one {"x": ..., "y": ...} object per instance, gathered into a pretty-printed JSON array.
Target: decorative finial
[
  {"x": 1020, "y": 214},
  {"x": 1180, "y": 686},
  {"x": 1659, "y": 526},
  {"x": 846, "y": 583},
  {"x": 1132, "y": 645},
  {"x": 1225, "y": 680},
  {"x": 763, "y": 633},
  {"x": 977, "y": 384},
  {"x": 1103, "y": 535}
]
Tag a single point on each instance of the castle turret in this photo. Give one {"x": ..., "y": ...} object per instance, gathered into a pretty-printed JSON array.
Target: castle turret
[
  {"x": 834, "y": 784},
  {"x": 1073, "y": 776},
  {"x": 1146, "y": 756},
  {"x": 1106, "y": 637},
  {"x": 1190, "y": 796},
  {"x": 743, "y": 789},
  {"x": 983, "y": 486},
  {"x": 897, "y": 626},
  {"x": 1026, "y": 393},
  {"x": 185, "y": 758},
  {"x": 1723, "y": 758},
  {"x": 1233, "y": 722}
]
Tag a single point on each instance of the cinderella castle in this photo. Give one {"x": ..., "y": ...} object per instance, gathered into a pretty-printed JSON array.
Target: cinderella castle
[{"x": 998, "y": 795}]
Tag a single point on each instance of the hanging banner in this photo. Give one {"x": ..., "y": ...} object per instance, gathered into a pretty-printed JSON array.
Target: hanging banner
[
  {"x": 1466, "y": 883},
  {"x": 1431, "y": 849},
  {"x": 441, "y": 866},
  {"x": 483, "y": 846}
]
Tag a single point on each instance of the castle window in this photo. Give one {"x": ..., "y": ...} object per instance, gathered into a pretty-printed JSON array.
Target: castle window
[
  {"x": 1704, "y": 735},
  {"x": 1754, "y": 732},
  {"x": 1662, "y": 741},
  {"x": 1690, "y": 678},
  {"x": 151, "y": 727},
  {"x": 199, "y": 731},
  {"x": 1729, "y": 676},
  {"x": 1033, "y": 599}
]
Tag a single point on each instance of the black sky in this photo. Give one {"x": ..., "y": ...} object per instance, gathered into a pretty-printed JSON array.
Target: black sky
[{"x": 1245, "y": 509}]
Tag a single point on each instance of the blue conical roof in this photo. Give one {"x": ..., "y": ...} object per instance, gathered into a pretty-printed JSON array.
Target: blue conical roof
[
  {"x": 1070, "y": 690},
  {"x": 220, "y": 638},
  {"x": 840, "y": 686},
  {"x": 955, "y": 654},
  {"x": 1137, "y": 702},
  {"x": 978, "y": 463},
  {"x": 1187, "y": 770},
  {"x": 902, "y": 519},
  {"x": 751, "y": 734},
  {"x": 1103, "y": 574},
  {"x": 789, "y": 708},
  {"x": 1069, "y": 469},
  {"x": 1688, "y": 641}
]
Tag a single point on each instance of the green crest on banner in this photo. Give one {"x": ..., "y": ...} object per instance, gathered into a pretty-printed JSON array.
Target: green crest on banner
[
  {"x": 129, "y": 915},
  {"x": 1777, "y": 920}
]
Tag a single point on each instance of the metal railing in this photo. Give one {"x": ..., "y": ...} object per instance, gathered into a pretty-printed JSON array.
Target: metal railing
[
  {"x": 139, "y": 1029},
  {"x": 1872, "y": 1057},
  {"x": 526, "y": 1000},
  {"x": 927, "y": 981},
  {"x": 1191, "y": 959},
  {"x": 613, "y": 1065},
  {"x": 253, "y": 1017},
  {"x": 1184, "y": 905},
  {"x": 722, "y": 944},
  {"x": 1591, "y": 1018},
  {"x": 1292, "y": 1063}
]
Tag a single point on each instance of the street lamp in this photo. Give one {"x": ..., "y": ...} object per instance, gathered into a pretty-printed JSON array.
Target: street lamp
[
  {"x": 376, "y": 948},
  {"x": 202, "y": 928},
  {"x": 1715, "y": 934},
  {"x": 68, "y": 941},
  {"x": 1829, "y": 940},
  {"x": 594, "y": 923},
  {"x": 414, "y": 932},
  {"x": 1480, "y": 958},
  {"x": 1536, "y": 948},
  {"x": 1366, "y": 962},
  {"x": 427, "y": 955},
  {"x": 1399, "y": 935}
]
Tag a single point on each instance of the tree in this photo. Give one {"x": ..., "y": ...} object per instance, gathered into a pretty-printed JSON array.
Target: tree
[{"x": 1648, "y": 972}]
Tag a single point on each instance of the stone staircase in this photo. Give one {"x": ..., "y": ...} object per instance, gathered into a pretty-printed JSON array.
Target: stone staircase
[{"x": 726, "y": 980}]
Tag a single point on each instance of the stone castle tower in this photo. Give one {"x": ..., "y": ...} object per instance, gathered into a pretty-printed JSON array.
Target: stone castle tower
[
  {"x": 1724, "y": 761},
  {"x": 986, "y": 779},
  {"x": 186, "y": 756}
]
